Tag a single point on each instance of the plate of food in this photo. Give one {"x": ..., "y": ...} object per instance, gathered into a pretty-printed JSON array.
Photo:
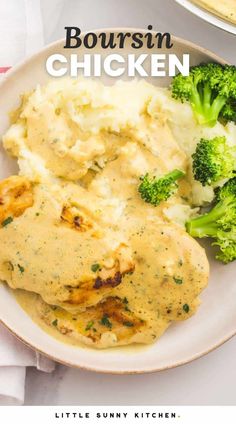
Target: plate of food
[
  {"x": 220, "y": 13},
  {"x": 117, "y": 211}
]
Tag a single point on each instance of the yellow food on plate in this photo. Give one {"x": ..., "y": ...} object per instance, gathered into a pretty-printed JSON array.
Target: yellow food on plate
[
  {"x": 226, "y": 9},
  {"x": 171, "y": 269},
  {"x": 53, "y": 247},
  {"x": 16, "y": 195},
  {"x": 86, "y": 256}
]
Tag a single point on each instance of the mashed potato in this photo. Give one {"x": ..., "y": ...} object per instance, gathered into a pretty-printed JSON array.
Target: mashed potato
[{"x": 70, "y": 127}]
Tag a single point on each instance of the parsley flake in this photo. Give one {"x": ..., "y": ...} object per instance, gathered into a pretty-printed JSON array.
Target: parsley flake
[
  {"x": 89, "y": 325},
  {"x": 105, "y": 321},
  {"x": 95, "y": 267},
  {"x": 178, "y": 280},
  {"x": 21, "y": 268},
  {"x": 186, "y": 308},
  {"x": 7, "y": 221}
]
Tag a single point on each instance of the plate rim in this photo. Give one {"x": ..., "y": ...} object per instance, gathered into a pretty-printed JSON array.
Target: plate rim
[
  {"x": 116, "y": 372},
  {"x": 31, "y": 345}
]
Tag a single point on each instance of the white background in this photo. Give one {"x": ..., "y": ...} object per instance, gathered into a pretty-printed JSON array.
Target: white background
[{"x": 210, "y": 380}]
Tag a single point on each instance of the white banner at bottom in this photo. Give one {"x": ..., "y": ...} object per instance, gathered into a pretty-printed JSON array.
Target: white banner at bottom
[{"x": 117, "y": 414}]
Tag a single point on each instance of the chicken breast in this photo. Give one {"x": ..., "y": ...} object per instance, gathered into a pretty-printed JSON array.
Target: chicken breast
[
  {"x": 171, "y": 270},
  {"x": 16, "y": 195},
  {"x": 107, "y": 324},
  {"x": 56, "y": 249}
]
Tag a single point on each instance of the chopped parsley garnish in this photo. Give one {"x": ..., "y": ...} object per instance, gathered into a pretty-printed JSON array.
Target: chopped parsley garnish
[
  {"x": 105, "y": 321},
  {"x": 7, "y": 221},
  {"x": 54, "y": 322},
  {"x": 128, "y": 324},
  {"x": 21, "y": 268},
  {"x": 126, "y": 302},
  {"x": 178, "y": 280},
  {"x": 95, "y": 267},
  {"x": 89, "y": 325},
  {"x": 186, "y": 308}
]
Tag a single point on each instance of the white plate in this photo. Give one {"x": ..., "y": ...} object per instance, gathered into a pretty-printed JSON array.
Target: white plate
[
  {"x": 208, "y": 16},
  {"x": 215, "y": 321}
]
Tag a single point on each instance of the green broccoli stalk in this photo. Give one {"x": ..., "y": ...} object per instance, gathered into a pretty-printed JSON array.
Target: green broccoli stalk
[
  {"x": 213, "y": 161},
  {"x": 219, "y": 223},
  {"x": 155, "y": 190},
  {"x": 210, "y": 89}
]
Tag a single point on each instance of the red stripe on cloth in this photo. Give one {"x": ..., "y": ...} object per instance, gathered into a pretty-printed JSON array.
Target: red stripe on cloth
[{"x": 4, "y": 69}]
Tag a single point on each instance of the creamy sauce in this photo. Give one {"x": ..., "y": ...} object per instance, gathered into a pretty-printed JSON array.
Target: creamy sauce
[
  {"x": 170, "y": 268},
  {"x": 41, "y": 253},
  {"x": 92, "y": 262},
  {"x": 28, "y": 300}
]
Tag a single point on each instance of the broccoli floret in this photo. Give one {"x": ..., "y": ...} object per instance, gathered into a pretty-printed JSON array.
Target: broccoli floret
[
  {"x": 154, "y": 190},
  {"x": 220, "y": 223},
  {"x": 211, "y": 90},
  {"x": 227, "y": 245},
  {"x": 229, "y": 112},
  {"x": 213, "y": 161}
]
